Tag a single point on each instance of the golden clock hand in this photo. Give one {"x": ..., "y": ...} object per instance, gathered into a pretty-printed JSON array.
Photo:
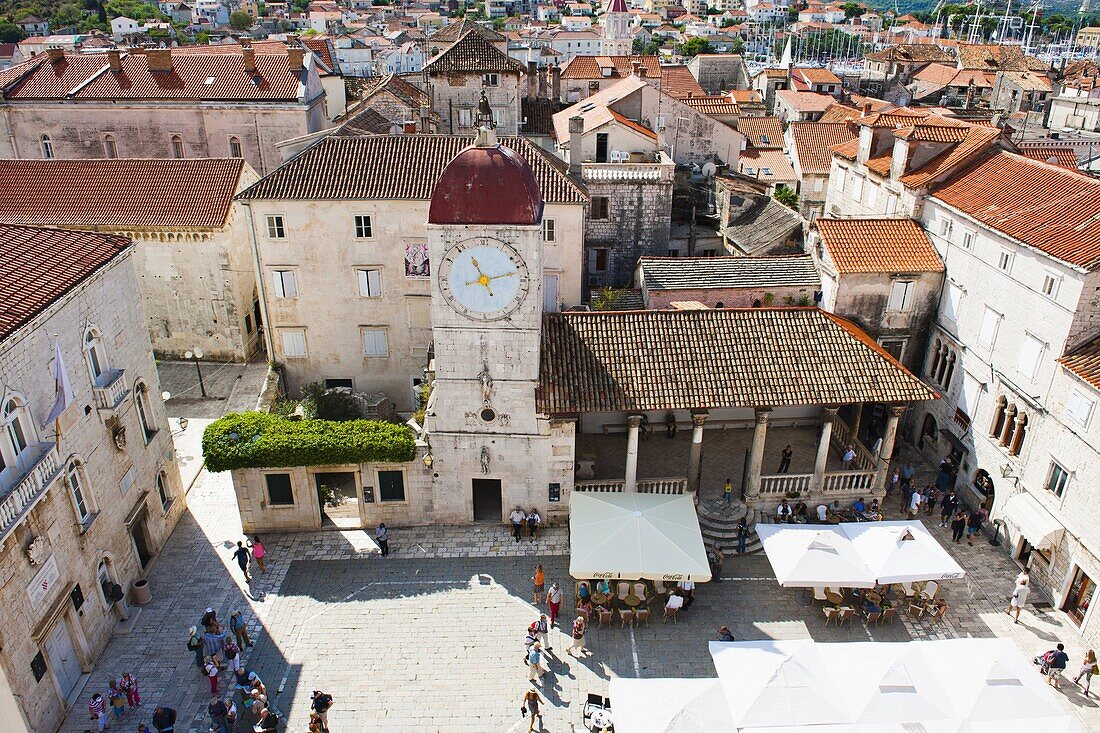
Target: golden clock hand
[
  {"x": 507, "y": 274},
  {"x": 477, "y": 266}
]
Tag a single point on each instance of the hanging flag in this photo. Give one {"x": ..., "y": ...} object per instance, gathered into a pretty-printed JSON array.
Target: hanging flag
[{"x": 63, "y": 390}]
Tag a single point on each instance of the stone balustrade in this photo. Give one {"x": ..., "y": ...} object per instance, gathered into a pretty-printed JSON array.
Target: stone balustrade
[
  {"x": 41, "y": 471},
  {"x": 784, "y": 482},
  {"x": 673, "y": 485},
  {"x": 841, "y": 482},
  {"x": 111, "y": 391}
]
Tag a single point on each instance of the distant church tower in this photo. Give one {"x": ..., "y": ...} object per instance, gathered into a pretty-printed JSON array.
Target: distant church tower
[{"x": 617, "y": 40}]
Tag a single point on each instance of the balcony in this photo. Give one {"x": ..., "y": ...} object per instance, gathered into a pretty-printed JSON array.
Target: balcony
[
  {"x": 37, "y": 470},
  {"x": 673, "y": 485},
  {"x": 660, "y": 170},
  {"x": 110, "y": 390}
]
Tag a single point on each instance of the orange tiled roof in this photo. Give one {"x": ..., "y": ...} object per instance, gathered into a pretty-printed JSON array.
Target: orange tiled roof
[
  {"x": 678, "y": 81},
  {"x": 41, "y": 265},
  {"x": 719, "y": 105},
  {"x": 778, "y": 166},
  {"x": 805, "y": 101},
  {"x": 629, "y": 123},
  {"x": 813, "y": 140},
  {"x": 588, "y": 67},
  {"x": 1084, "y": 361},
  {"x": 128, "y": 194},
  {"x": 762, "y": 132},
  {"x": 473, "y": 54},
  {"x": 1044, "y": 206},
  {"x": 847, "y": 150},
  {"x": 1060, "y": 155},
  {"x": 816, "y": 75},
  {"x": 932, "y": 133},
  {"x": 878, "y": 245},
  {"x": 977, "y": 139},
  {"x": 746, "y": 96}
]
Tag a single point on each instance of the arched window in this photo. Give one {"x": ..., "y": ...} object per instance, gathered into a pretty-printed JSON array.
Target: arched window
[
  {"x": 95, "y": 354},
  {"x": 234, "y": 147},
  {"x": 110, "y": 148},
  {"x": 145, "y": 412},
  {"x": 78, "y": 490},
  {"x": 163, "y": 492},
  {"x": 47, "y": 147},
  {"x": 18, "y": 429},
  {"x": 103, "y": 575},
  {"x": 177, "y": 146},
  {"x": 998, "y": 425}
]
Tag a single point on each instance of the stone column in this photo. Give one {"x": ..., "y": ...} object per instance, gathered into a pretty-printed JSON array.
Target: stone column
[
  {"x": 857, "y": 418},
  {"x": 828, "y": 417},
  {"x": 631, "y": 484},
  {"x": 756, "y": 455},
  {"x": 887, "y": 450},
  {"x": 697, "y": 420}
]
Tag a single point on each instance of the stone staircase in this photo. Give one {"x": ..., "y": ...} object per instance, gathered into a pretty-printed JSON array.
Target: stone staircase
[{"x": 718, "y": 523}]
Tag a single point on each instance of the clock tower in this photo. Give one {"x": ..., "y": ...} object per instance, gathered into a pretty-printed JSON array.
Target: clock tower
[{"x": 489, "y": 447}]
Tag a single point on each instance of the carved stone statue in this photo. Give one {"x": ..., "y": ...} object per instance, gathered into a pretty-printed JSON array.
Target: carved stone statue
[
  {"x": 486, "y": 384},
  {"x": 485, "y": 459}
]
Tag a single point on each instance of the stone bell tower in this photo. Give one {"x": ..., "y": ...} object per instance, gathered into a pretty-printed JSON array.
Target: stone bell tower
[
  {"x": 485, "y": 244},
  {"x": 617, "y": 40}
]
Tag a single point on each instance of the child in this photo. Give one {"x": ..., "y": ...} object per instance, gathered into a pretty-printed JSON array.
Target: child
[
  {"x": 115, "y": 698},
  {"x": 129, "y": 686},
  {"x": 232, "y": 657},
  {"x": 212, "y": 673}
]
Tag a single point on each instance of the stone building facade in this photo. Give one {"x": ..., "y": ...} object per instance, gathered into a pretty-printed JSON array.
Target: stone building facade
[
  {"x": 193, "y": 254},
  {"x": 467, "y": 69},
  {"x": 86, "y": 499},
  {"x": 160, "y": 104}
]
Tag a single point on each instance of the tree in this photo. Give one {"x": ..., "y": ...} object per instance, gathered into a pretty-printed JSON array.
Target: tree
[
  {"x": 652, "y": 48},
  {"x": 786, "y": 196},
  {"x": 11, "y": 33},
  {"x": 240, "y": 20},
  {"x": 696, "y": 46},
  {"x": 852, "y": 9}
]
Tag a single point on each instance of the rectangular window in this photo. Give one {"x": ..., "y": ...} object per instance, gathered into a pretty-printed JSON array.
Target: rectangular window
[
  {"x": 601, "y": 208},
  {"x": 548, "y": 232},
  {"x": 1031, "y": 355},
  {"x": 294, "y": 344},
  {"x": 1004, "y": 261},
  {"x": 374, "y": 342},
  {"x": 1079, "y": 408},
  {"x": 891, "y": 203},
  {"x": 127, "y": 480},
  {"x": 285, "y": 283},
  {"x": 968, "y": 239},
  {"x": 280, "y": 492},
  {"x": 1059, "y": 477},
  {"x": 901, "y": 296},
  {"x": 952, "y": 297},
  {"x": 991, "y": 323},
  {"x": 895, "y": 348},
  {"x": 857, "y": 187},
  {"x": 968, "y": 399},
  {"x": 466, "y": 118},
  {"x": 334, "y": 383},
  {"x": 1050, "y": 285},
  {"x": 391, "y": 486},
  {"x": 370, "y": 283},
  {"x": 945, "y": 227},
  {"x": 598, "y": 259},
  {"x": 490, "y": 80},
  {"x": 275, "y": 228},
  {"x": 363, "y": 228}
]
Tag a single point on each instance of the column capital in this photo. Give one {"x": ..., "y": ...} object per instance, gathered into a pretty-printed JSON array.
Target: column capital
[
  {"x": 698, "y": 418},
  {"x": 828, "y": 413},
  {"x": 762, "y": 415},
  {"x": 898, "y": 410},
  {"x": 634, "y": 421}
]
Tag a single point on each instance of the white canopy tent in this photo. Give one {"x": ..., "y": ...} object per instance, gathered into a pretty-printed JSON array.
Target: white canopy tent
[
  {"x": 901, "y": 552},
  {"x": 669, "y": 706},
  {"x": 636, "y": 536},
  {"x": 1036, "y": 523},
  {"x": 808, "y": 555}
]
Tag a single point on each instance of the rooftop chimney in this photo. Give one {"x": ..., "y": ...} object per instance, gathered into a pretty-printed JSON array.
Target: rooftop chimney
[
  {"x": 56, "y": 55},
  {"x": 245, "y": 42},
  {"x": 295, "y": 58},
  {"x": 555, "y": 82},
  {"x": 114, "y": 58},
  {"x": 425, "y": 118},
  {"x": 249, "y": 60},
  {"x": 532, "y": 77},
  {"x": 409, "y": 127},
  {"x": 576, "y": 130},
  {"x": 159, "y": 60},
  {"x": 642, "y": 71},
  {"x": 866, "y": 110},
  {"x": 634, "y": 67}
]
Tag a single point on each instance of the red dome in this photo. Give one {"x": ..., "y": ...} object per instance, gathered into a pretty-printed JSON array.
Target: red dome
[{"x": 486, "y": 185}]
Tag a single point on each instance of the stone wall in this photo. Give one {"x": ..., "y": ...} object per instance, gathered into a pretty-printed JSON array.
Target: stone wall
[
  {"x": 119, "y": 484},
  {"x": 639, "y": 222},
  {"x": 729, "y": 297},
  {"x": 456, "y": 91}
]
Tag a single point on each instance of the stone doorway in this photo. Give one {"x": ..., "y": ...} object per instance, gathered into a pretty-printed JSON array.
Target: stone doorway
[
  {"x": 338, "y": 497},
  {"x": 488, "y": 502}
]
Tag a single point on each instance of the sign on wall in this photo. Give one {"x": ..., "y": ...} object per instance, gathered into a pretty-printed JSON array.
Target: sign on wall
[
  {"x": 43, "y": 582},
  {"x": 416, "y": 260},
  {"x": 555, "y": 493}
]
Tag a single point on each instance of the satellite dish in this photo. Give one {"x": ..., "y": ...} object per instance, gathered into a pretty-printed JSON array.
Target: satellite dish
[{"x": 709, "y": 169}]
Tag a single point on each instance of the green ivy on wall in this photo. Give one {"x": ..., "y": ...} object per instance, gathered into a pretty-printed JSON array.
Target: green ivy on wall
[{"x": 262, "y": 440}]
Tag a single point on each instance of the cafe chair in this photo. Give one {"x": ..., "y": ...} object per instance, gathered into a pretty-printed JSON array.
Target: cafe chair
[
  {"x": 671, "y": 613},
  {"x": 931, "y": 588},
  {"x": 831, "y": 614},
  {"x": 846, "y": 614},
  {"x": 873, "y": 617},
  {"x": 915, "y": 611},
  {"x": 937, "y": 613},
  {"x": 621, "y": 589},
  {"x": 591, "y": 705},
  {"x": 888, "y": 616},
  {"x": 627, "y": 617},
  {"x": 819, "y": 594},
  {"x": 642, "y": 614},
  {"x": 605, "y": 617}
]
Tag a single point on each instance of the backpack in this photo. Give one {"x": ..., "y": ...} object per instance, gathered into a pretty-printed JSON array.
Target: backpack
[{"x": 533, "y": 628}]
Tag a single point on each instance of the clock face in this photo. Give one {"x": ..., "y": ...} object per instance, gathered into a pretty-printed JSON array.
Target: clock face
[{"x": 483, "y": 278}]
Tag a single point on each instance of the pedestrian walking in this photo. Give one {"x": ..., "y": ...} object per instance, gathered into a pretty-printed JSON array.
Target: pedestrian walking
[
  {"x": 785, "y": 459},
  {"x": 259, "y": 552},
  {"x": 932, "y": 497},
  {"x": 1058, "y": 659},
  {"x": 232, "y": 656},
  {"x": 542, "y": 631},
  {"x": 914, "y": 504},
  {"x": 219, "y": 714},
  {"x": 848, "y": 457},
  {"x": 534, "y": 663},
  {"x": 116, "y": 700},
  {"x": 164, "y": 719},
  {"x": 242, "y": 556},
  {"x": 1018, "y": 599},
  {"x": 724, "y": 634},
  {"x": 239, "y": 628},
  {"x": 894, "y": 483},
  {"x": 517, "y": 518},
  {"x": 231, "y": 714},
  {"x": 974, "y": 524},
  {"x": 539, "y": 584},
  {"x": 530, "y": 706},
  {"x": 580, "y": 628},
  {"x": 907, "y": 474},
  {"x": 670, "y": 424},
  {"x": 727, "y": 492},
  {"x": 715, "y": 559},
  {"x": 947, "y": 507},
  {"x": 382, "y": 537},
  {"x": 1088, "y": 669},
  {"x": 553, "y": 601},
  {"x": 194, "y": 645},
  {"x": 315, "y": 724},
  {"x": 534, "y": 521},
  {"x": 97, "y": 709},
  {"x": 742, "y": 535},
  {"x": 321, "y": 703},
  {"x": 209, "y": 618},
  {"x": 958, "y": 527},
  {"x": 212, "y": 672},
  {"x": 129, "y": 686}
]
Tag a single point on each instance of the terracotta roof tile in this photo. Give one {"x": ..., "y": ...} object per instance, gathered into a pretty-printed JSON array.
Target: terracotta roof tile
[
  {"x": 714, "y": 106},
  {"x": 41, "y": 265},
  {"x": 762, "y": 132},
  {"x": 1060, "y": 155},
  {"x": 878, "y": 245},
  {"x": 209, "y": 76},
  {"x": 977, "y": 140},
  {"x": 473, "y": 53},
  {"x": 629, "y": 123},
  {"x": 767, "y": 165},
  {"x": 812, "y": 142},
  {"x": 1084, "y": 361},
  {"x": 847, "y": 150},
  {"x": 679, "y": 82},
  {"x": 1047, "y": 207},
  {"x": 588, "y": 67},
  {"x": 120, "y": 194},
  {"x": 454, "y": 31},
  {"x": 912, "y": 52},
  {"x": 805, "y": 101},
  {"x": 685, "y": 359},
  {"x": 396, "y": 167}
]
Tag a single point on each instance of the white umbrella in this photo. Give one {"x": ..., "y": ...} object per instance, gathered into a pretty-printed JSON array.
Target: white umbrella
[
  {"x": 669, "y": 706},
  {"x": 636, "y": 536},
  {"x": 808, "y": 555},
  {"x": 901, "y": 552}
]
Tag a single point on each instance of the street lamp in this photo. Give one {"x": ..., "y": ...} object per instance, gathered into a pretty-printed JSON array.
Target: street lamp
[{"x": 196, "y": 355}]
